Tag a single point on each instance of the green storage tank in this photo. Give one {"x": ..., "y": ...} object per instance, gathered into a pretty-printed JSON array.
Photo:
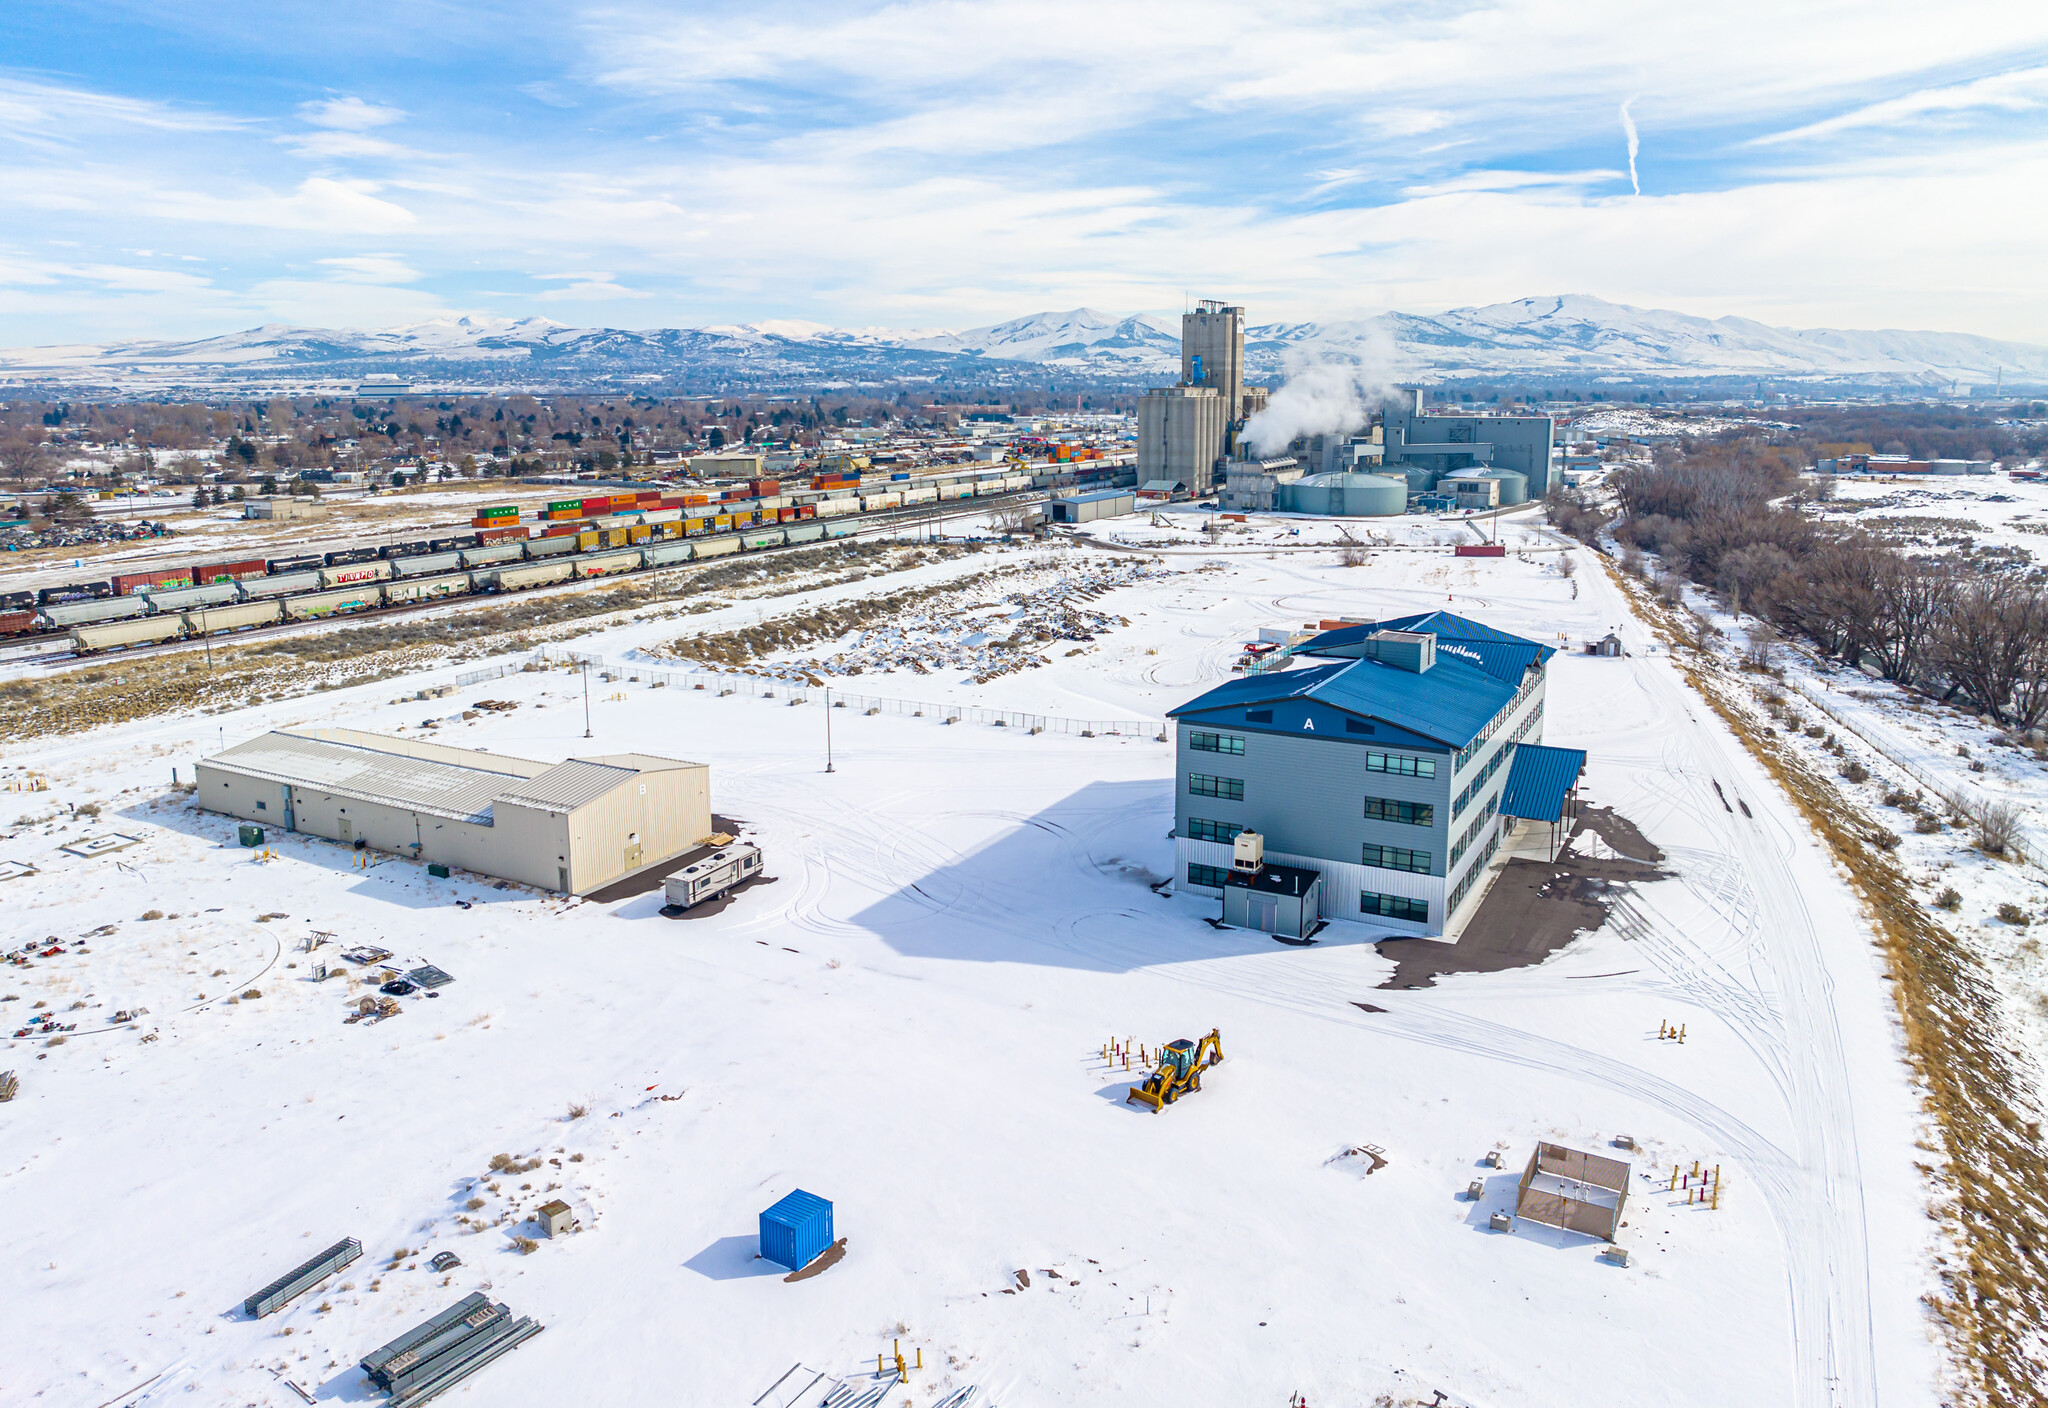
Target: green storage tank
[{"x": 1344, "y": 496}]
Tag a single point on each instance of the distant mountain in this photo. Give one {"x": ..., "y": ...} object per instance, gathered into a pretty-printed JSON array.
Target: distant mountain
[
  {"x": 1560, "y": 338},
  {"x": 1084, "y": 335}
]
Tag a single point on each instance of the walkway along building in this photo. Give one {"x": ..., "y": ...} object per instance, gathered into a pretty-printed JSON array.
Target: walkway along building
[
  {"x": 570, "y": 826},
  {"x": 1380, "y": 761}
]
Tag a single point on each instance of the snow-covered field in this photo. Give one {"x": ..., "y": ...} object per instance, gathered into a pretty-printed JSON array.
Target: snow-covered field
[{"x": 908, "y": 1021}]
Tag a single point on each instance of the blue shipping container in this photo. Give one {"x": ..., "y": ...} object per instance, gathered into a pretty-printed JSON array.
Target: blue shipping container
[{"x": 796, "y": 1229}]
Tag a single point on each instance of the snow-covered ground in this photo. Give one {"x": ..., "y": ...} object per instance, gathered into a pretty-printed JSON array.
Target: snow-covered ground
[
  {"x": 1944, "y": 513},
  {"x": 908, "y": 1021}
]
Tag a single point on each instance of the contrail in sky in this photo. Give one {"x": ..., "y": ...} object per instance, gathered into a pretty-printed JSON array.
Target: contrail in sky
[{"x": 1628, "y": 125}]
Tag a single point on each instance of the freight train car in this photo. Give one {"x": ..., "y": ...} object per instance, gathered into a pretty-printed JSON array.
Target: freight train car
[
  {"x": 804, "y": 532},
  {"x": 86, "y": 640},
  {"x": 755, "y": 539},
  {"x": 427, "y": 565},
  {"x": 17, "y": 623},
  {"x": 426, "y": 588},
  {"x": 283, "y": 584},
  {"x": 108, "y": 608},
  {"x": 716, "y": 547},
  {"x": 492, "y": 552},
  {"x": 606, "y": 564},
  {"x": 358, "y": 573},
  {"x": 212, "y": 620},
  {"x": 333, "y": 603},
  {"x": 179, "y": 598},
  {"x": 532, "y": 574},
  {"x": 667, "y": 554}
]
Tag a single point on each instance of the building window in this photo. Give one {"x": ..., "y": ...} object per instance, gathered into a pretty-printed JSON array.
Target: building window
[
  {"x": 1397, "y": 858},
  {"x": 1258, "y": 716},
  {"x": 1230, "y": 789},
  {"x": 1216, "y": 743},
  {"x": 263, "y": 806},
  {"x": 1393, "y": 907},
  {"x": 1210, "y": 875},
  {"x": 1407, "y": 813},
  {"x": 1400, "y": 765},
  {"x": 1200, "y": 830}
]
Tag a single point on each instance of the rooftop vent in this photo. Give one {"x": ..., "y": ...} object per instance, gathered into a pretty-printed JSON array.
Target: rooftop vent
[{"x": 1413, "y": 651}]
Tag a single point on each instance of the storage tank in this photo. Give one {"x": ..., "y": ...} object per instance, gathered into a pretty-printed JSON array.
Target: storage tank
[
  {"x": 1344, "y": 496},
  {"x": 1514, "y": 488}
]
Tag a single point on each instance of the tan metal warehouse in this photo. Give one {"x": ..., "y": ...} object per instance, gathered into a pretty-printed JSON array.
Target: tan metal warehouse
[{"x": 569, "y": 826}]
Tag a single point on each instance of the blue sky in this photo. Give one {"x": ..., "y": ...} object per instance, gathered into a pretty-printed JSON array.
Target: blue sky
[{"x": 178, "y": 170}]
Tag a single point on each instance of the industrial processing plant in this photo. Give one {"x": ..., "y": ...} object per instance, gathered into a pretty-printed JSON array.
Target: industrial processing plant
[{"x": 1195, "y": 437}]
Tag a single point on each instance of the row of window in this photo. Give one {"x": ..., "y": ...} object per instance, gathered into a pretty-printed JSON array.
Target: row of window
[
  {"x": 1230, "y": 789},
  {"x": 1464, "y": 886},
  {"x": 1400, "y": 765},
  {"x": 1471, "y": 750},
  {"x": 1393, "y": 907},
  {"x": 1493, "y": 764},
  {"x": 1210, "y": 875},
  {"x": 1203, "y": 830},
  {"x": 1407, "y": 813},
  {"x": 1216, "y": 743},
  {"x": 1396, "y": 858},
  {"x": 1486, "y": 814}
]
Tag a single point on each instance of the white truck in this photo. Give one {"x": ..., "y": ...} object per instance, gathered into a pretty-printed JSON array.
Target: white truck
[{"x": 712, "y": 876}]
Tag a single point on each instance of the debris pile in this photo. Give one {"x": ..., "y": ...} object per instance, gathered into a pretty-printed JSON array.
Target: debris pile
[{"x": 75, "y": 535}]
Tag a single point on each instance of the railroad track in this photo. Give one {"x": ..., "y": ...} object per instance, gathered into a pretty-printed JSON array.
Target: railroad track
[{"x": 872, "y": 525}]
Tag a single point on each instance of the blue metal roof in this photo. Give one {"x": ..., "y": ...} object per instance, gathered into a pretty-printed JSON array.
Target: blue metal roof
[
  {"x": 1449, "y": 703},
  {"x": 1501, "y": 655},
  {"x": 1538, "y": 779}
]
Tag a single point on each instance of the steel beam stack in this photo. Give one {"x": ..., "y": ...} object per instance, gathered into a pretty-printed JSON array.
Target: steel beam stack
[
  {"x": 301, "y": 1279},
  {"x": 437, "y": 1354}
]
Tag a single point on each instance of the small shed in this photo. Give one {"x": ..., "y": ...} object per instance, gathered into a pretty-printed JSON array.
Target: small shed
[
  {"x": 796, "y": 1230},
  {"x": 1609, "y": 644},
  {"x": 1162, "y": 490},
  {"x": 1281, "y": 900},
  {"x": 556, "y": 1219},
  {"x": 1577, "y": 1191}
]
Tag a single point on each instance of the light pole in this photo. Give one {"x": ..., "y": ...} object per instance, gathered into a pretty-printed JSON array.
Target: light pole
[
  {"x": 586, "y": 699},
  {"x": 828, "y": 728}
]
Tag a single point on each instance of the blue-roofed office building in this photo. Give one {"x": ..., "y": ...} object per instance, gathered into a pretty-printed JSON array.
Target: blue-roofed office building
[{"x": 1379, "y": 760}]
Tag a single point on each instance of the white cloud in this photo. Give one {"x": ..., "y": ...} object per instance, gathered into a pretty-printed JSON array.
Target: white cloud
[
  {"x": 2019, "y": 91},
  {"x": 595, "y": 287},
  {"x": 349, "y": 114},
  {"x": 372, "y": 269}
]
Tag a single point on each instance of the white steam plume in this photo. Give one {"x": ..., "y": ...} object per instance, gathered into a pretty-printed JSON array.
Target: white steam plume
[
  {"x": 1326, "y": 392},
  {"x": 1635, "y": 143}
]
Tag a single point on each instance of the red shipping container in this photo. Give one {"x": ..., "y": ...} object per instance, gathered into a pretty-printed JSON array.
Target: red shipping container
[
  {"x": 599, "y": 505},
  {"x": 1481, "y": 550},
  {"x": 764, "y": 487},
  {"x": 166, "y": 577},
  {"x": 207, "y": 573},
  {"x": 501, "y": 535}
]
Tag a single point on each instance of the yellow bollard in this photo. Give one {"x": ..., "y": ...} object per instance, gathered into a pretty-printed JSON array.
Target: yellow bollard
[{"x": 1674, "y": 1178}]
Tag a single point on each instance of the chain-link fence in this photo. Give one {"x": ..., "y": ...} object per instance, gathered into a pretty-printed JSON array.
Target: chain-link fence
[{"x": 725, "y": 682}]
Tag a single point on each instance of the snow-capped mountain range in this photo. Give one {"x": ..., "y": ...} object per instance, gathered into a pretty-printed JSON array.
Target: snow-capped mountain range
[{"x": 1560, "y": 338}]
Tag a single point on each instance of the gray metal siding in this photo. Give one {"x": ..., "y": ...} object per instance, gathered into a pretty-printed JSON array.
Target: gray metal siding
[{"x": 1306, "y": 796}]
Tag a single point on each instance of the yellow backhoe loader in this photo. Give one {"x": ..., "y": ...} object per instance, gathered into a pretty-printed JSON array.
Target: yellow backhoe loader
[{"x": 1181, "y": 1064}]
